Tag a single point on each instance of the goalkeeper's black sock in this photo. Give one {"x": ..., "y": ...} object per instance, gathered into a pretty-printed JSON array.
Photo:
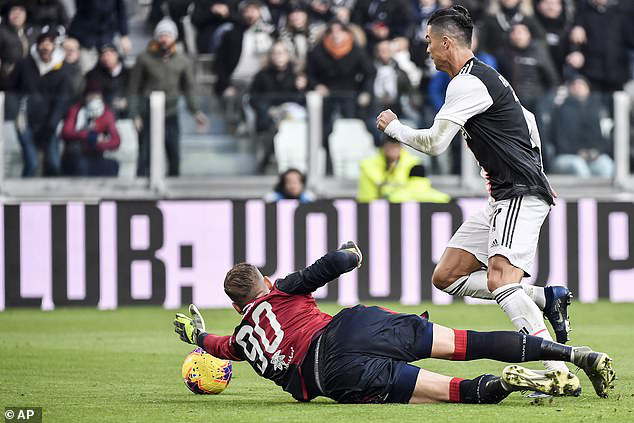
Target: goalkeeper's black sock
[
  {"x": 485, "y": 389},
  {"x": 507, "y": 346}
]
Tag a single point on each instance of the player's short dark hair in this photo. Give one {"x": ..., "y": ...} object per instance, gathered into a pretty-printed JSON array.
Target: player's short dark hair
[
  {"x": 455, "y": 21},
  {"x": 240, "y": 283}
]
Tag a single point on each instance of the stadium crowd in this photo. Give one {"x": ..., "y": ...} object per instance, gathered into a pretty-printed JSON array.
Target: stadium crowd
[{"x": 68, "y": 81}]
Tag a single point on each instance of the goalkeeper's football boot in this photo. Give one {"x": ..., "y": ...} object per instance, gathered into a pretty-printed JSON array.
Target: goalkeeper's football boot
[
  {"x": 598, "y": 367},
  {"x": 556, "y": 310},
  {"x": 549, "y": 382}
]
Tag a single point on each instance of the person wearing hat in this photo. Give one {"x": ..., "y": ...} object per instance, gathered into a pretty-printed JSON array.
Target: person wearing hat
[
  {"x": 44, "y": 86},
  {"x": 396, "y": 175},
  {"x": 113, "y": 77},
  {"x": 89, "y": 130},
  {"x": 162, "y": 68}
]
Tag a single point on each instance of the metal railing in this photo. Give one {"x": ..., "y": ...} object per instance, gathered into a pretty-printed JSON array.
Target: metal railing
[{"x": 160, "y": 186}]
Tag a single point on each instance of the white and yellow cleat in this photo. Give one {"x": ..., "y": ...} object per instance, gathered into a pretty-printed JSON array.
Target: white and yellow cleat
[
  {"x": 550, "y": 382},
  {"x": 598, "y": 367}
]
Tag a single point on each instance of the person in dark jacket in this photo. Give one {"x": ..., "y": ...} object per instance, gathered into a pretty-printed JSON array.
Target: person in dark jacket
[
  {"x": 44, "y": 86},
  {"x": 89, "y": 130},
  {"x": 503, "y": 14},
  {"x": 342, "y": 72},
  {"x": 244, "y": 50},
  {"x": 208, "y": 16},
  {"x": 16, "y": 37},
  {"x": 602, "y": 34},
  {"x": 51, "y": 13},
  {"x": 384, "y": 19},
  {"x": 580, "y": 146},
  {"x": 162, "y": 68},
  {"x": 528, "y": 67},
  {"x": 557, "y": 22},
  {"x": 113, "y": 78},
  {"x": 273, "y": 86},
  {"x": 96, "y": 22}
]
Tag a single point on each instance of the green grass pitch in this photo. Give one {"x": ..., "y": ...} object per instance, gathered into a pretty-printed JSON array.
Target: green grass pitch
[{"x": 124, "y": 366}]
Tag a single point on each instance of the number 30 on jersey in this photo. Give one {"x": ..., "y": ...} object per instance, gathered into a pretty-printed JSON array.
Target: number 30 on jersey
[{"x": 254, "y": 341}]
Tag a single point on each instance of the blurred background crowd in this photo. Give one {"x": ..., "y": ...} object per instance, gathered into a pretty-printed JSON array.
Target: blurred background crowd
[{"x": 77, "y": 76}]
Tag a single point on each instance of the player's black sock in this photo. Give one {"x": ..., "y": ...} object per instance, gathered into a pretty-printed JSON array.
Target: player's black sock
[
  {"x": 507, "y": 346},
  {"x": 485, "y": 389}
]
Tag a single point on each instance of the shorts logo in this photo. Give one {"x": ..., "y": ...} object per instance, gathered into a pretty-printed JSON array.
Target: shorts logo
[{"x": 495, "y": 243}]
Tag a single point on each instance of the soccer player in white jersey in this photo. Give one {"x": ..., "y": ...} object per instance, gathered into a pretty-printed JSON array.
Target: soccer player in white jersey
[{"x": 494, "y": 249}]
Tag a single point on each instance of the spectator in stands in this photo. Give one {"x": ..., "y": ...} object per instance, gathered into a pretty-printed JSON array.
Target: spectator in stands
[
  {"x": 391, "y": 84},
  {"x": 272, "y": 90},
  {"x": 244, "y": 50},
  {"x": 113, "y": 78},
  {"x": 176, "y": 10},
  {"x": 300, "y": 35},
  {"x": 15, "y": 37},
  {"x": 71, "y": 60},
  {"x": 277, "y": 10},
  {"x": 162, "y": 68},
  {"x": 291, "y": 186},
  {"x": 210, "y": 17},
  {"x": 580, "y": 146},
  {"x": 528, "y": 67},
  {"x": 396, "y": 175},
  {"x": 97, "y": 22},
  {"x": 51, "y": 13},
  {"x": 552, "y": 15},
  {"x": 602, "y": 34},
  {"x": 503, "y": 14},
  {"x": 384, "y": 19},
  {"x": 89, "y": 130},
  {"x": 42, "y": 82},
  {"x": 342, "y": 72}
]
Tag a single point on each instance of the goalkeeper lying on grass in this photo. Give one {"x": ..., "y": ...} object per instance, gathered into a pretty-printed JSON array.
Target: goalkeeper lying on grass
[{"x": 362, "y": 354}]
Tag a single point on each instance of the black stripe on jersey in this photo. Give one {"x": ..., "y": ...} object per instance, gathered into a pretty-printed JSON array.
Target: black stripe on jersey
[
  {"x": 467, "y": 67},
  {"x": 508, "y": 215},
  {"x": 517, "y": 214}
]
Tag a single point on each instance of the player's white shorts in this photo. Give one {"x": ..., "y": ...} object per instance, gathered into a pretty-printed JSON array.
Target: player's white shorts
[{"x": 509, "y": 228}]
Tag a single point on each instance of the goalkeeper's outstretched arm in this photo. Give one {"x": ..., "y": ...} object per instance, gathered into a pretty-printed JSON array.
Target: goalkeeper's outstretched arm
[
  {"x": 432, "y": 141},
  {"x": 324, "y": 270}
]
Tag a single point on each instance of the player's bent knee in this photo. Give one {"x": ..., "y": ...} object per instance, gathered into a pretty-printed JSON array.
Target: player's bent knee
[
  {"x": 442, "y": 278},
  {"x": 501, "y": 272}
]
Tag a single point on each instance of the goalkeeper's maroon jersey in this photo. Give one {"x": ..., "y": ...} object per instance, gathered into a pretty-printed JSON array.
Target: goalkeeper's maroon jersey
[{"x": 278, "y": 328}]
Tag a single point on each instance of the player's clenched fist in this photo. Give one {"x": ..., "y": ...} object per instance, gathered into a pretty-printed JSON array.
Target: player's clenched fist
[{"x": 384, "y": 119}]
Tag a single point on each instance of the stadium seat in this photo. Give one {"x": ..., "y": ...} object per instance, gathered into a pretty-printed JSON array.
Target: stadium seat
[
  {"x": 350, "y": 142},
  {"x": 291, "y": 145},
  {"x": 128, "y": 151}
]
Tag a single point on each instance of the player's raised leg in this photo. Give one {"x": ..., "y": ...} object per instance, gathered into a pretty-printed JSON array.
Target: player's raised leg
[{"x": 461, "y": 272}]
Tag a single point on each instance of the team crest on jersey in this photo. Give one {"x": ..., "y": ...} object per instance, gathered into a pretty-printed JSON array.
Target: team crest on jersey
[{"x": 278, "y": 360}]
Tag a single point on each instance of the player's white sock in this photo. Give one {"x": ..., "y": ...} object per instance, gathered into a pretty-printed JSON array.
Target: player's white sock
[
  {"x": 537, "y": 294},
  {"x": 525, "y": 316},
  {"x": 475, "y": 285}
]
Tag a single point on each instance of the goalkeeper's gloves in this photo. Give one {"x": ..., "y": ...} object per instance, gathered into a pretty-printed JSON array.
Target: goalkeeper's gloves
[
  {"x": 190, "y": 328},
  {"x": 351, "y": 247}
]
